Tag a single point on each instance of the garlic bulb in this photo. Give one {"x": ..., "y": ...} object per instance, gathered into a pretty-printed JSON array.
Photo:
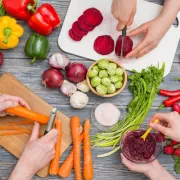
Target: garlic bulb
[
  {"x": 59, "y": 61},
  {"x": 78, "y": 100},
  {"x": 68, "y": 88},
  {"x": 83, "y": 86}
]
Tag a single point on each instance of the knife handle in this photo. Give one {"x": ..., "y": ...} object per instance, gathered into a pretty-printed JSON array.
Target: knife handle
[{"x": 124, "y": 31}]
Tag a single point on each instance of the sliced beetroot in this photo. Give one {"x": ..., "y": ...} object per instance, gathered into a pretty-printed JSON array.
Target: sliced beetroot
[
  {"x": 104, "y": 45},
  {"x": 92, "y": 17},
  {"x": 128, "y": 45},
  {"x": 83, "y": 25},
  {"x": 77, "y": 31},
  {"x": 73, "y": 36}
]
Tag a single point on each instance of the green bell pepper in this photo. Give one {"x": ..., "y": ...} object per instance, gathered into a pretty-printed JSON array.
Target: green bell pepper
[{"x": 37, "y": 47}]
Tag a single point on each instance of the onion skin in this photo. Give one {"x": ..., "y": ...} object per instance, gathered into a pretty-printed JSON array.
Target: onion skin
[
  {"x": 1, "y": 59},
  {"x": 59, "y": 61},
  {"x": 76, "y": 72},
  {"x": 52, "y": 78}
]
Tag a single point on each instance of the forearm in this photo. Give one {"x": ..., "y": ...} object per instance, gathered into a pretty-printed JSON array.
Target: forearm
[
  {"x": 160, "y": 174},
  {"x": 21, "y": 172},
  {"x": 170, "y": 11}
]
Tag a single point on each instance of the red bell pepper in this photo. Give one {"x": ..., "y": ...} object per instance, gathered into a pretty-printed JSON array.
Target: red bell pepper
[
  {"x": 21, "y": 9},
  {"x": 44, "y": 20}
]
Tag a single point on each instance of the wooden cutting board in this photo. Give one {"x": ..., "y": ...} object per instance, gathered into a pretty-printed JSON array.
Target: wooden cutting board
[{"x": 16, "y": 143}]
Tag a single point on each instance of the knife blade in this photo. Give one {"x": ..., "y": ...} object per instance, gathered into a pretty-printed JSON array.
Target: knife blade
[
  {"x": 51, "y": 121},
  {"x": 122, "y": 44}
]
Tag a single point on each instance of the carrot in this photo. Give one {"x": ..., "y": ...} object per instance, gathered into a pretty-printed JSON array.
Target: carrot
[
  {"x": 54, "y": 166},
  {"x": 13, "y": 127},
  {"x": 88, "y": 164},
  {"x": 23, "y": 122},
  {"x": 67, "y": 165},
  {"x": 75, "y": 129},
  {"x": 26, "y": 113},
  {"x": 11, "y": 132}
]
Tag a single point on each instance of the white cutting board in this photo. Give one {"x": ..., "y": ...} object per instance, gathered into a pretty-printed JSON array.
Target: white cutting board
[{"x": 146, "y": 11}]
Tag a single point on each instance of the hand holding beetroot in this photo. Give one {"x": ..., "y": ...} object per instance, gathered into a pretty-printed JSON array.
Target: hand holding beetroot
[{"x": 169, "y": 124}]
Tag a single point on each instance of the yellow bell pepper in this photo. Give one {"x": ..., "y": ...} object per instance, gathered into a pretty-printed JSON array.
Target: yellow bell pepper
[{"x": 10, "y": 32}]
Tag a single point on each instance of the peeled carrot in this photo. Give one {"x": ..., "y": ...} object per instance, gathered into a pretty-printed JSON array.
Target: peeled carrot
[
  {"x": 14, "y": 127},
  {"x": 10, "y": 132},
  {"x": 75, "y": 129},
  {"x": 54, "y": 166},
  {"x": 67, "y": 165},
  {"x": 26, "y": 113},
  {"x": 23, "y": 122},
  {"x": 88, "y": 164}
]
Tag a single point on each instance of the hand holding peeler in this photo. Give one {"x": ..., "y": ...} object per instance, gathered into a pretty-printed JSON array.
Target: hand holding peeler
[{"x": 51, "y": 121}]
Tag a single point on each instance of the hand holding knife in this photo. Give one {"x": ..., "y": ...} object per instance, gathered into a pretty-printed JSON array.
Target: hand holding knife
[{"x": 122, "y": 45}]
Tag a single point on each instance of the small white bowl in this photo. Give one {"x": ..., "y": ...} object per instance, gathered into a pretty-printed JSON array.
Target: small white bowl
[{"x": 94, "y": 120}]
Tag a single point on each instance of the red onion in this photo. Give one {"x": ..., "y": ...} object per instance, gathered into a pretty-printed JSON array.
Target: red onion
[
  {"x": 1, "y": 59},
  {"x": 76, "y": 72},
  {"x": 52, "y": 78}
]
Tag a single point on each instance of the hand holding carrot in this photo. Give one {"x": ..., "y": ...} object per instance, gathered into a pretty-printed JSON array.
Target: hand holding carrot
[
  {"x": 37, "y": 154},
  {"x": 7, "y": 101}
]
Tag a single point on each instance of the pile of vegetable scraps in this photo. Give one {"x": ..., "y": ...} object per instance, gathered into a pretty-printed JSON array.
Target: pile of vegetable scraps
[{"x": 144, "y": 86}]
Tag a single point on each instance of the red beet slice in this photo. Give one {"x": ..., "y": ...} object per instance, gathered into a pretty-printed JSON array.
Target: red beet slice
[
  {"x": 83, "y": 25},
  {"x": 77, "y": 31},
  {"x": 104, "y": 45},
  {"x": 128, "y": 45},
  {"x": 92, "y": 17},
  {"x": 73, "y": 36}
]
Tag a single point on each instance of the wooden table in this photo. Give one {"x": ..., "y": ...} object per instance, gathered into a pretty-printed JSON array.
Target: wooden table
[{"x": 18, "y": 64}]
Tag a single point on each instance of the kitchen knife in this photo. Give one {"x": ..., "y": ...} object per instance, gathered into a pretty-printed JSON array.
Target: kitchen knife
[
  {"x": 51, "y": 121},
  {"x": 122, "y": 45}
]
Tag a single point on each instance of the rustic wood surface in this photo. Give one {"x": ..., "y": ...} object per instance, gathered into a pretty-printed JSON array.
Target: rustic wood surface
[{"x": 18, "y": 64}]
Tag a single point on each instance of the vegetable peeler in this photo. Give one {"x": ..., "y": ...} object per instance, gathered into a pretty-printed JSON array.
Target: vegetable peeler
[
  {"x": 122, "y": 45},
  {"x": 51, "y": 121}
]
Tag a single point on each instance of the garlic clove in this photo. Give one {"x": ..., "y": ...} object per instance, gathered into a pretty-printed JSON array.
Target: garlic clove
[
  {"x": 68, "y": 88},
  {"x": 79, "y": 100},
  {"x": 83, "y": 86}
]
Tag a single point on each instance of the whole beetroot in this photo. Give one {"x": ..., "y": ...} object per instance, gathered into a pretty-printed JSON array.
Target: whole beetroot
[{"x": 128, "y": 45}]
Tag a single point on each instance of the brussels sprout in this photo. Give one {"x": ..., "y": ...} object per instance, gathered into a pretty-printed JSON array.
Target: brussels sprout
[
  {"x": 119, "y": 72},
  {"x": 96, "y": 68},
  {"x": 101, "y": 90},
  {"x": 116, "y": 78},
  {"x": 103, "y": 64},
  {"x": 105, "y": 81},
  {"x": 111, "y": 89},
  {"x": 111, "y": 71},
  {"x": 103, "y": 73},
  {"x": 118, "y": 85},
  {"x": 92, "y": 73},
  {"x": 112, "y": 66},
  {"x": 95, "y": 81}
]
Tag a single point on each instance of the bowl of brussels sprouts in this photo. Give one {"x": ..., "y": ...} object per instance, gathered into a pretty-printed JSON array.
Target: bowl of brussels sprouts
[{"x": 106, "y": 78}]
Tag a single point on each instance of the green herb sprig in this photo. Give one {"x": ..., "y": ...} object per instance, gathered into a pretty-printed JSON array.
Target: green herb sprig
[{"x": 144, "y": 86}]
